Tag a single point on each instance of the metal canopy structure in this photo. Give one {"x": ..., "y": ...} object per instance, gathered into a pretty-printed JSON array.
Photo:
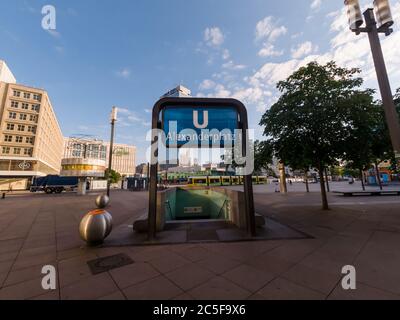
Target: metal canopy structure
[{"x": 196, "y": 104}]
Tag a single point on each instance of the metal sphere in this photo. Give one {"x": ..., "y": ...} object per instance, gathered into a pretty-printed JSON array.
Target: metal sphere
[
  {"x": 95, "y": 226},
  {"x": 102, "y": 201}
]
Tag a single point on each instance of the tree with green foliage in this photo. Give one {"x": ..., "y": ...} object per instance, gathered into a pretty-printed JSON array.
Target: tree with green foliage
[
  {"x": 310, "y": 119},
  {"x": 363, "y": 119},
  {"x": 381, "y": 145},
  {"x": 263, "y": 153},
  {"x": 114, "y": 176}
]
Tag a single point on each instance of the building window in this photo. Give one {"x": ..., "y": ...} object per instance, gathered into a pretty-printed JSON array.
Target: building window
[
  {"x": 7, "y": 138},
  {"x": 35, "y": 107},
  {"x": 32, "y": 129},
  {"x": 32, "y": 117},
  {"x": 37, "y": 97},
  {"x": 21, "y": 127},
  {"x": 22, "y": 116},
  {"x": 12, "y": 115},
  {"x": 18, "y": 139},
  {"x": 29, "y": 140},
  {"x": 25, "y": 106},
  {"x": 27, "y": 95},
  {"x": 6, "y": 150},
  {"x": 17, "y": 150},
  {"x": 14, "y": 104},
  {"x": 27, "y": 151},
  {"x": 16, "y": 93},
  {"x": 10, "y": 126}
]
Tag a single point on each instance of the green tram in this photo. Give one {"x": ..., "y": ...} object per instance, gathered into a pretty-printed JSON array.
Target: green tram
[{"x": 223, "y": 180}]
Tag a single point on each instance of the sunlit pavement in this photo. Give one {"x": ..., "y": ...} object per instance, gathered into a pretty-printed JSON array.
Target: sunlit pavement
[{"x": 38, "y": 230}]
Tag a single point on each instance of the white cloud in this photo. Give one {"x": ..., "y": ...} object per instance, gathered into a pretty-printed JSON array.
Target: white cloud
[
  {"x": 226, "y": 54},
  {"x": 54, "y": 33},
  {"x": 124, "y": 73},
  {"x": 222, "y": 92},
  {"x": 297, "y": 35},
  {"x": 218, "y": 91},
  {"x": 269, "y": 29},
  {"x": 214, "y": 37},
  {"x": 269, "y": 51},
  {"x": 303, "y": 49},
  {"x": 207, "y": 84},
  {"x": 316, "y": 4},
  {"x": 128, "y": 118},
  {"x": 232, "y": 66}
]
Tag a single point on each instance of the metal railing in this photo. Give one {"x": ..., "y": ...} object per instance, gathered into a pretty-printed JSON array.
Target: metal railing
[{"x": 226, "y": 202}]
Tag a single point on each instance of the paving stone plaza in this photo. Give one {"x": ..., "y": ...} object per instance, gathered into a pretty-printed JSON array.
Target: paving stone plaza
[{"x": 38, "y": 230}]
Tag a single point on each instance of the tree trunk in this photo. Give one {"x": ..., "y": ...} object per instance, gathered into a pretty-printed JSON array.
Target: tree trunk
[
  {"x": 378, "y": 176},
  {"x": 306, "y": 180},
  {"x": 327, "y": 180},
  {"x": 325, "y": 205},
  {"x": 362, "y": 179}
]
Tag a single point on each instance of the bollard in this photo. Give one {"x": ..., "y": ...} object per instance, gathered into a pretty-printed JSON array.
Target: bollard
[
  {"x": 3, "y": 196},
  {"x": 95, "y": 227},
  {"x": 102, "y": 201}
]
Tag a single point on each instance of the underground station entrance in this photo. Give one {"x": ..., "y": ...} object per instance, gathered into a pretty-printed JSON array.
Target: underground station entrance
[{"x": 200, "y": 214}]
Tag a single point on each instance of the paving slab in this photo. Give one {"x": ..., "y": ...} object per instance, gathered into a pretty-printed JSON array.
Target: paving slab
[
  {"x": 90, "y": 288},
  {"x": 189, "y": 276},
  {"x": 219, "y": 288},
  {"x": 159, "y": 288},
  {"x": 283, "y": 289},
  {"x": 248, "y": 277},
  {"x": 133, "y": 274}
]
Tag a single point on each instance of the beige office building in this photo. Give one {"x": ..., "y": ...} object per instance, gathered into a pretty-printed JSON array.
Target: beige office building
[
  {"x": 31, "y": 141},
  {"x": 124, "y": 156}
]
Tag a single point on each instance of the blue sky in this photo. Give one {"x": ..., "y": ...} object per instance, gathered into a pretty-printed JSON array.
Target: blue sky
[{"x": 128, "y": 53}]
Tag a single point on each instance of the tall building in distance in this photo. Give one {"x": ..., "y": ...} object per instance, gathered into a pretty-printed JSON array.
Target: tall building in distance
[
  {"x": 184, "y": 159},
  {"x": 178, "y": 92},
  {"x": 31, "y": 141},
  {"x": 124, "y": 156}
]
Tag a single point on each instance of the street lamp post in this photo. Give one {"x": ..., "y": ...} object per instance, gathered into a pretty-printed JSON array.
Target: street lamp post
[
  {"x": 113, "y": 119},
  {"x": 378, "y": 20}
]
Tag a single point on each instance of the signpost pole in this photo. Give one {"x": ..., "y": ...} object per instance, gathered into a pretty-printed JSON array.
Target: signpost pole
[
  {"x": 248, "y": 182},
  {"x": 152, "y": 217},
  {"x": 111, "y": 151}
]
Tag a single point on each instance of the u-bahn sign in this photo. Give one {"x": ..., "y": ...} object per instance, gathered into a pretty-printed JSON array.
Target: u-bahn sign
[
  {"x": 194, "y": 117},
  {"x": 196, "y": 127}
]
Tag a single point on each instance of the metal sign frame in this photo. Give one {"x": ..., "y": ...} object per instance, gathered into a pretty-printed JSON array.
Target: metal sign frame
[{"x": 197, "y": 103}]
